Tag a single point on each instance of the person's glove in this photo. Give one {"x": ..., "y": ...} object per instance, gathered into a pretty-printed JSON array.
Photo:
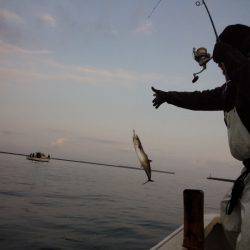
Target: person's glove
[{"x": 160, "y": 97}]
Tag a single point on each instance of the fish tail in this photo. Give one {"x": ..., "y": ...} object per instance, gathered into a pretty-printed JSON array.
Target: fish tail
[{"x": 148, "y": 181}]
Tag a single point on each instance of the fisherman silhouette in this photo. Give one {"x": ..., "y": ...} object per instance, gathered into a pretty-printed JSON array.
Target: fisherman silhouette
[{"x": 232, "y": 54}]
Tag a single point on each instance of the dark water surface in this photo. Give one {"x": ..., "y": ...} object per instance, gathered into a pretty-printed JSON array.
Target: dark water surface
[{"x": 63, "y": 205}]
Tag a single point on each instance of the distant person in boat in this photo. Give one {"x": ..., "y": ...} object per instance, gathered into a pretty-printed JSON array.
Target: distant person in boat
[{"x": 232, "y": 54}]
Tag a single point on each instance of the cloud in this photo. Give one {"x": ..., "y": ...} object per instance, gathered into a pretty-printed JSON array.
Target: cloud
[
  {"x": 14, "y": 75},
  {"x": 100, "y": 140},
  {"x": 102, "y": 28},
  {"x": 21, "y": 65},
  {"x": 59, "y": 142},
  {"x": 48, "y": 20},
  {"x": 9, "y": 16},
  {"x": 73, "y": 74},
  {"x": 100, "y": 76},
  {"x": 76, "y": 139},
  {"x": 7, "y": 48},
  {"x": 144, "y": 28},
  {"x": 8, "y": 132}
]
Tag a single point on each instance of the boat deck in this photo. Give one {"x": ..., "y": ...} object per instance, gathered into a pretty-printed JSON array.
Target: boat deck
[{"x": 214, "y": 236}]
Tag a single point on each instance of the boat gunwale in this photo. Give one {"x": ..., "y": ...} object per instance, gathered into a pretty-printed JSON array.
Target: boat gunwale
[
  {"x": 210, "y": 220},
  {"x": 168, "y": 238}
]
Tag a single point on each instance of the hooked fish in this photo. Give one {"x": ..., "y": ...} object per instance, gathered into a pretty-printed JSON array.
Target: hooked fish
[{"x": 142, "y": 156}]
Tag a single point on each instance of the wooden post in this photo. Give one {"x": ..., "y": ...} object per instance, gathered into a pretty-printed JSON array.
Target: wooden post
[{"x": 193, "y": 238}]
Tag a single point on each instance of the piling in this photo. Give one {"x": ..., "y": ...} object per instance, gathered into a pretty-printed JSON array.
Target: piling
[{"x": 193, "y": 235}]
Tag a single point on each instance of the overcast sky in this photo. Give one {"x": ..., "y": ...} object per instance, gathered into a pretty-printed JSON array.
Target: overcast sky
[{"x": 75, "y": 78}]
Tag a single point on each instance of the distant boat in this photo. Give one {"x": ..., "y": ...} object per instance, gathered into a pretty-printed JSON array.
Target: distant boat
[{"x": 38, "y": 156}]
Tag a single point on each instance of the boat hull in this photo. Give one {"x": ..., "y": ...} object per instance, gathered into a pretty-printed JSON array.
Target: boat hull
[
  {"x": 38, "y": 159},
  {"x": 214, "y": 236}
]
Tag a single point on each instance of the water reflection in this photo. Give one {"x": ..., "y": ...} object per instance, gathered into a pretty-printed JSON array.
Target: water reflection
[{"x": 67, "y": 206}]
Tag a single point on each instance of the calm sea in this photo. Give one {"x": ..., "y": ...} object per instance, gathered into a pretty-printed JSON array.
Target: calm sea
[{"x": 63, "y": 205}]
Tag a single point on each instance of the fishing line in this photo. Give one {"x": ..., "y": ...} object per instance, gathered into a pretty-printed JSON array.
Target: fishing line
[{"x": 155, "y": 7}]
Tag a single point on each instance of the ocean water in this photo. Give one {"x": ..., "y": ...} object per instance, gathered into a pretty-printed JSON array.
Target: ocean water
[{"x": 64, "y": 205}]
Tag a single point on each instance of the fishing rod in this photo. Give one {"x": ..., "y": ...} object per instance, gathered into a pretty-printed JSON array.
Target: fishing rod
[
  {"x": 201, "y": 55},
  {"x": 155, "y": 7},
  {"x": 220, "y": 179},
  {"x": 92, "y": 163},
  {"x": 198, "y": 3}
]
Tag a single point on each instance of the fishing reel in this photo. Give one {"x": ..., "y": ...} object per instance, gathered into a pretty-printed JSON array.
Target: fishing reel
[{"x": 202, "y": 57}]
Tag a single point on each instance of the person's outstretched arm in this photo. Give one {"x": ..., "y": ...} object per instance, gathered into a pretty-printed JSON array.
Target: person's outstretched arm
[{"x": 210, "y": 100}]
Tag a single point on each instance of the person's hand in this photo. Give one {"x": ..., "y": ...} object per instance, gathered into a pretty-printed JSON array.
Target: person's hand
[{"x": 160, "y": 97}]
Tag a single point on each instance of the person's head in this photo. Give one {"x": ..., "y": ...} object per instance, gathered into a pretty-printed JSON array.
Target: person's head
[{"x": 237, "y": 36}]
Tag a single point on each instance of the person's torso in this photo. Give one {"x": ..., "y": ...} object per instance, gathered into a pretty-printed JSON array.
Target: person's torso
[{"x": 238, "y": 135}]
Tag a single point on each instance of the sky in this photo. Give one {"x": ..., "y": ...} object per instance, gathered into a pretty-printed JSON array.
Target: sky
[{"x": 76, "y": 77}]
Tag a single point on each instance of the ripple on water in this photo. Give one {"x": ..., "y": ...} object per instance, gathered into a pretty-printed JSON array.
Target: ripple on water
[
  {"x": 14, "y": 193},
  {"x": 39, "y": 210}
]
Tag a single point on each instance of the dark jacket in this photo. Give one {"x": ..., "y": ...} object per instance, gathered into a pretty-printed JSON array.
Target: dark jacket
[{"x": 236, "y": 93}]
